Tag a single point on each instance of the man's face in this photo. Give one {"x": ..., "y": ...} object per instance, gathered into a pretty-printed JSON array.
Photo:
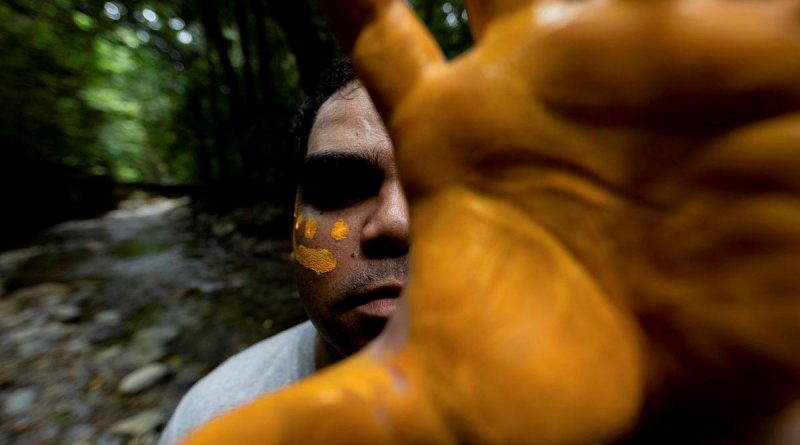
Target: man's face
[{"x": 351, "y": 223}]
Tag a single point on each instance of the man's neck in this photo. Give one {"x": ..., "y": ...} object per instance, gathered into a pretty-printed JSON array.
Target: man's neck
[{"x": 325, "y": 354}]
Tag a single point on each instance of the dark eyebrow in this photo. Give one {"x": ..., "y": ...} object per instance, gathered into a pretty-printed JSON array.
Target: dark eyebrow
[
  {"x": 340, "y": 160},
  {"x": 336, "y": 179}
]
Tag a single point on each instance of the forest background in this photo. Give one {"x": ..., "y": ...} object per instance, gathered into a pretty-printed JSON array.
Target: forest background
[{"x": 176, "y": 97}]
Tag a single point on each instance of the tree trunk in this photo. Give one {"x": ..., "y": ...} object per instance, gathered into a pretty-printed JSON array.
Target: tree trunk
[
  {"x": 252, "y": 159},
  {"x": 312, "y": 52},
  {"x": 213, "y": 28}
]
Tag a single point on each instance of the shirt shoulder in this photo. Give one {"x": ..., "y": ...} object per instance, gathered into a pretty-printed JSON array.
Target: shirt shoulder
[{"x": 262, "y": 368}]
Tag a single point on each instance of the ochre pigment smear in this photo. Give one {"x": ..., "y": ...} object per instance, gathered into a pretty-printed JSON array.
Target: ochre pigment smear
[
  {"x": 311, "y": 228},
  {"x": 318, "y": 260},
  {"x": 340, "y": 230}
]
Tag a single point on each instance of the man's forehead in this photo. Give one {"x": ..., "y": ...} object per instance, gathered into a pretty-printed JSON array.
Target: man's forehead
[{"x": 348, "y": 121}]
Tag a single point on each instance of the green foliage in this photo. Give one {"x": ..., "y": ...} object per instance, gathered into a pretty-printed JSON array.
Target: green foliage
[
  {"x": 44, "y": 118},
  {"x": 181, "y": 91},
  {"x": 448, "y": 21}
]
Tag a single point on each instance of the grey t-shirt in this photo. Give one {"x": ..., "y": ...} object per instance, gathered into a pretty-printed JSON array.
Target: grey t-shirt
[{"x": 264, "y": 367}]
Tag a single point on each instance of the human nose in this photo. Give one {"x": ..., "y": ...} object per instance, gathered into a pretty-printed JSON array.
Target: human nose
[{"x": 385, "y": 233}]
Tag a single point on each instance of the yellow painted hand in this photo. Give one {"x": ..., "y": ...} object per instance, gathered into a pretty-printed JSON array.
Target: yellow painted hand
[{"x": 605, "y": 227}]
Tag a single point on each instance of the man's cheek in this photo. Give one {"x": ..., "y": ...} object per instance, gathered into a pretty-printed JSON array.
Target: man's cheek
[
  {"x": 311, "y": 229},
  {"x": 340, "y": 230},
  {"x": 317, "y": 259}
]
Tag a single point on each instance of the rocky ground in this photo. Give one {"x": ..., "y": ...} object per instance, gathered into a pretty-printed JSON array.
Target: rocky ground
[{"x": 105, "y": 323}]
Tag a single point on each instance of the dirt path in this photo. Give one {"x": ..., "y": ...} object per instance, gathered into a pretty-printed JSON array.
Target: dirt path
[{"x": 105, "y": 323}]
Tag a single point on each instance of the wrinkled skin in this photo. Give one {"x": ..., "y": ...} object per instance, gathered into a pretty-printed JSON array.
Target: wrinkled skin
[{"x": 605, "y": 229}]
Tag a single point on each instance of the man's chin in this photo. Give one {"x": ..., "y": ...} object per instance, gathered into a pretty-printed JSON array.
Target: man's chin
[{"x": 365, "y": 329}]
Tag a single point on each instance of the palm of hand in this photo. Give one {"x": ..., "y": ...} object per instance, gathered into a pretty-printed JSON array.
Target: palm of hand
[{"x": 604, "y": 214}]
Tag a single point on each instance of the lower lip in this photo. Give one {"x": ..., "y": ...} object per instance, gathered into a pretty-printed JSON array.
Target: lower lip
[{"x": 383, "y": 307}]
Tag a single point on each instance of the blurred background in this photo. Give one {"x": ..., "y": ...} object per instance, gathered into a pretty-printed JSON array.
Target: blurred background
[{"x": 143, "y": 189}]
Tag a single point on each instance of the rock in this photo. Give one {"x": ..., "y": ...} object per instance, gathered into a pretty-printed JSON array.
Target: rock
[
  {"x": 29, "y": 436},
  {"x": 92, "y": 246},
  {"x": 21, "y": 426},
  {"x": 81, "y": 295},
  {"x": 161, "y": 335},
  {"x": 45, "y": 434},
  {"x": 13, "y": 258},
  {"x": 24, "y": 335},
  {"x": 143, "y": 378},
  {"x": 39, "y": 291},
  {"x": 107, "y": 355},
  {"x": 145, "y": 439},
  {"x": 189, "y": 375},
  {"x": 223, "y": 228},
  {"x": 7, "y": 310},
  {"x": 140, "y": 424},
  {"x": 65, "y": 312},
  {"x": 20, "y": 401},
  {"x": 78, "y": 412},
  {"x": 32, "y": 349},
  {"x": 52, "y": 300},
  {"x": 30, "y": 317},
  {"x": 80, "y": 434},
  {"x": 266, "y": 247},
  {"x": 109, "y": 439},
  {"x": 103, "y": 332},
  {"x": 49, "y": 336},
  {"x": 238, "y": 279},
  {"x": 32, "y": 340},
  {"x": 77, "y": 346},
  {"x": 140, "y": 354},
  {"x": 108, "y": 317}
]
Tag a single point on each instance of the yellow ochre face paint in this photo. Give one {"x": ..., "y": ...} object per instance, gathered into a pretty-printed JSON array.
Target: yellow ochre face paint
[
  {"x": 340, "y": 230},
  {"x": 318, "y": 260},
  {"x": 311, "y": 228}
]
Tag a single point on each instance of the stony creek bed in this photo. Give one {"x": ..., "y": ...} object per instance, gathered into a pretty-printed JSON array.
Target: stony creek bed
[{"x": 105, "y": 323}]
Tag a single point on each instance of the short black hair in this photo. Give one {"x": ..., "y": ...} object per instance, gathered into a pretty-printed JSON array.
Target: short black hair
[{"x": 336, "y": 76}]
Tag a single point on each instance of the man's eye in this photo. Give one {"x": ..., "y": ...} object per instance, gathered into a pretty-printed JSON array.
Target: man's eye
[{"x": 330, "y": 193}]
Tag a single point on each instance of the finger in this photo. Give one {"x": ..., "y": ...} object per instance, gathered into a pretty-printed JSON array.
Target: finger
[
  {"x": 650, "y": 61},
  {"x": 360, "y": 401},
  {"x": 483, "y": 11},
  {"x": 391, "y": 48}
]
